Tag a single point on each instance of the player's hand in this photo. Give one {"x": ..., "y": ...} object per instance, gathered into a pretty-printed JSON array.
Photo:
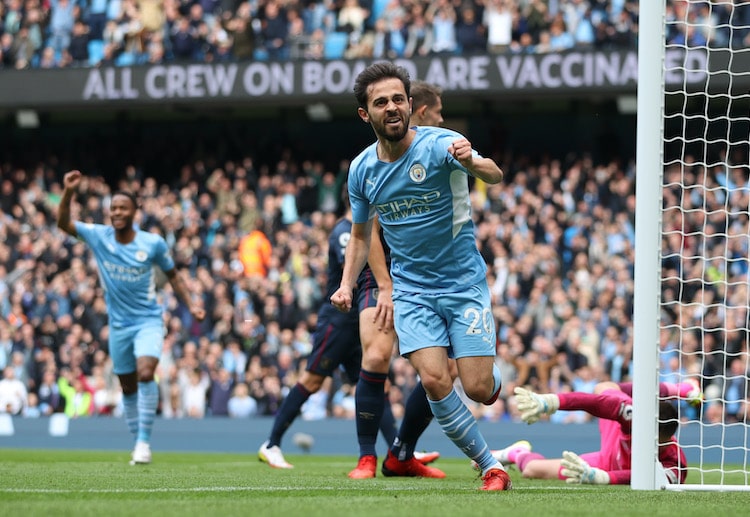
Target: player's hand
[
  {"x": 342, "y": 299},
  {"x": 577, "y": 471},
  {"x": 461, "y": 151},
  {"x": 384, "y": 310},
  {"x": 532, "y": 405},
  {"x": 72, "y": 179},
  {"x": 695, "y": 396}
]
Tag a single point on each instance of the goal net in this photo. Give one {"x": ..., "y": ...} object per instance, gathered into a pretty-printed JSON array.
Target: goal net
[{"x": 692, "y": 266}]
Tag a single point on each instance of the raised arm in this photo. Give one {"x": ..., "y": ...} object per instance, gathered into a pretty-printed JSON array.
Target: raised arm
[
  {"x": 71, "y": 180},
  {"x": 478, "y": 166}
]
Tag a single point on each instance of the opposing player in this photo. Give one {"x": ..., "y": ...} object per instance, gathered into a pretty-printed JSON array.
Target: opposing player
[
  {"x": 415, "y": 180},
  {"x": 126, "y": 258},
  {"x": 612, "y": 403},
  {"x": 337, "y": 342}
]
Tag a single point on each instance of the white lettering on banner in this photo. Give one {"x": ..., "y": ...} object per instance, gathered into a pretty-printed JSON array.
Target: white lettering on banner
[
  {"x": 681, "y": 66},
  {"x": 570, "y": 70},
  {"x": 458, "y": 73},
  {"x": 193, "y": 81},
  {"x": 268, "y": 79},
  {"x": 329, "y": 77},
  {"x": 110, "y": 84}
]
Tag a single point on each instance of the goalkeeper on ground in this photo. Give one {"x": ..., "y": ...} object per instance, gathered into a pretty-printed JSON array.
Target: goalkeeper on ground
[{"x": 612, "y": 403}]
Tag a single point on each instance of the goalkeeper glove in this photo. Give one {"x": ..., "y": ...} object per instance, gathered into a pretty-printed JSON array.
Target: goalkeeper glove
[
  {"x": 532, "y": 405},
  {"x": 577, "y": 471},
  {"x": 695, "y": 396}
]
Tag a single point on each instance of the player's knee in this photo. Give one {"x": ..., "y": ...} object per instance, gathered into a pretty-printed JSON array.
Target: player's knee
[
  {"x": 311, "y": 383},
  {"x": 436, "y": 386},
  {"x": 145, "y": 374}
]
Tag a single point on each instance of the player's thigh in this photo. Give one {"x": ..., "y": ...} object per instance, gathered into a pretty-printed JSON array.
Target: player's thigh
[
  {"x": 377, "y": 343},
  {"x": 475, "y": 373},
  {"x": 335, "y": 342},
  {"x": 417, "y": 322},
  {"x": 148, "y": 340},
  {"x": 122, "y": 349},
  {"x": 471, "y": 325}
]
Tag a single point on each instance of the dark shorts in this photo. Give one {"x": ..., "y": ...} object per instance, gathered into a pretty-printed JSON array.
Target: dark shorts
[
  {"x": 336, "y": 343},
  {"x": 367, "y": 291}
]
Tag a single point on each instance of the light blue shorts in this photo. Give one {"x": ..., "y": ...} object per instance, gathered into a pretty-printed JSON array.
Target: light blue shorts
[
  {"x": 126, "y": 344},
  {"x": 462, "y": 322}
]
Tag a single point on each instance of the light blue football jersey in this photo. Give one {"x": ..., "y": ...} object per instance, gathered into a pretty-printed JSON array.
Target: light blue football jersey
[
  {"x": 422, "y": 200},
  {"x": 126, "y": 271}
]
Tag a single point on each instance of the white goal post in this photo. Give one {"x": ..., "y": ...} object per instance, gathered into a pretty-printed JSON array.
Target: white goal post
[{"x": 692, "y": 243}]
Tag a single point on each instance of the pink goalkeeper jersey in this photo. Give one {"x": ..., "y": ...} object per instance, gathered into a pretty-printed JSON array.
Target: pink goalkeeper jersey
[{"x": 615, "y": 411}]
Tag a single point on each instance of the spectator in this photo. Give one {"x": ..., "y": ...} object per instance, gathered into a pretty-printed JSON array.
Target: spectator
[
  {"x": 470, "y": 33},
  {"x": 79, "y": 41},
  {"x": 13, "y": 393},
  {"x": 62, "y": 18},
  {"x": 48, "y": 394},
  {"x": 255, "y": 252},
  {"x": 442, "y": 17},
  {"x": 220, "y": 392},
  {"x": 77, "y": 394},
  {"x": 241, "y": 404},
  {"x": 274, "y": 31}
]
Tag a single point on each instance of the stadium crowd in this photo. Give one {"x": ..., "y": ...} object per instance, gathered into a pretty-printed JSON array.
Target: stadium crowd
[
  {"x": 82, "y": 33},
  {"x": 557, "y": 234}
]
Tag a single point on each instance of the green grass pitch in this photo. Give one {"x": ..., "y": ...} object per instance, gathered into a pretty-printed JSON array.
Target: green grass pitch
[{"x": 82, "y": 483}]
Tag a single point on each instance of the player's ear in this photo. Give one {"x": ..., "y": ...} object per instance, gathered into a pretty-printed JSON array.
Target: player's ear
[{"x": 363, "y": 115}]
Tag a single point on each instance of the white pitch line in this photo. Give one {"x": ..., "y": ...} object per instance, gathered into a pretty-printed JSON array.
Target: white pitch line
[{"x": 227, "y": 489}]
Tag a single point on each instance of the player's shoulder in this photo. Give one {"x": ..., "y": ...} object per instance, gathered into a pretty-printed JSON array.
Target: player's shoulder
[
  {"x": 369, "y": 153},
  {"x": 436, "y": 132},
  {"x": 149, "y": 237},
  {"x": 341, "y": 232}
]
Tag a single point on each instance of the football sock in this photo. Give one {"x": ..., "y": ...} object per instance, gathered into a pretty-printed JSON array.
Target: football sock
[
  {"x": 370, "y": 404},
  {"x": 148, "y": 400},
  {"x": 497, "y": 379},
  {"x": 130, "y": 409},
  {"x": 387, "y": 421},
  {"x": 417, "y": 416},
  {"x": 460, "y": 426},
  {"x": 288, "y": 412}
]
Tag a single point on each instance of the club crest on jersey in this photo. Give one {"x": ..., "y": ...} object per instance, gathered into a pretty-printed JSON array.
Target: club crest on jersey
[
  {"x": 141, "y": 256},
  {"x": 418, "y": 173}
]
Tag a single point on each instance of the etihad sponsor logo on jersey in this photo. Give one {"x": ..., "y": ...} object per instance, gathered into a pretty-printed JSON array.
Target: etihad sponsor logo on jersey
[
  {"x": 126, "y": 273},
  {"x": 403, "y": 208}
]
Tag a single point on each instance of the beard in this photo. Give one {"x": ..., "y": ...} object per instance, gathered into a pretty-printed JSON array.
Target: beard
[{"x": 392, "y": 134}]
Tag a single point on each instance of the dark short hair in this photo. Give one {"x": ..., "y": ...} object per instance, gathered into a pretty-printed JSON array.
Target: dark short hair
[
  {"x": 669, "y": 420},
  {"x": 424, "y": 94},
  {"x": 127, "y": 194},
  {"x": 377, "y": 72}
]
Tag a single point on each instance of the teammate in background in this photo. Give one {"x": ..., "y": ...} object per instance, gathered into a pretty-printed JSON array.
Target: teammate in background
[
  {"x": 126, "y": 258},
  {"x": 337, "y": 341},
  {"x": 411, "y": 177},
  {"x": 610, "y": 465},
  {"x": 426, "y": 104}
]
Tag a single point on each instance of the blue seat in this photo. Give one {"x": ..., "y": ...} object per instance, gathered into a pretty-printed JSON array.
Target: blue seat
[
  {"x": 335, "y": 45},
  {"x": 96, "y": 51},
  {"x": 125, "y": 59}
]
